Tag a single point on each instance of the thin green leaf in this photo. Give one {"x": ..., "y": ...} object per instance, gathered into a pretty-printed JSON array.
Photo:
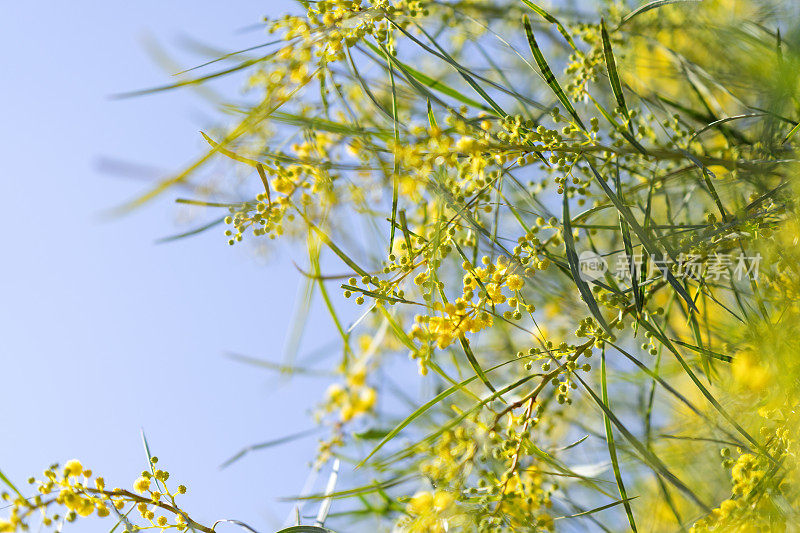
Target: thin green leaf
[
  {"x": 277, "y": 367},
  {"x": 228, "y": 153},
  {"x": 147, "y": 449},
  {"x": 422, "y": 409},
  {"x": 10, "y": 485},
  {"x": 597, "y": 509},
  {"x": 195, "y": 81},
  {"x": 426, "y": 80},
  {"x": 575, "y": 269},
  {"x": 150, "y": 464},
  {"x": 473, "y": 362},
  {"x": 431, "y": 116},
  {"x": 648, "y": 6},
  {"x": 791, "y": 133},
  {"x": 550, "y": 18},
  {"x": 698, "y": 338},
  {"x": 268, "y": 444},
  {"x": 706, "y": 351},
  {"x": 373, "y": 294},
  {"x": 364, "y": 489},
  {"x": 406, "y": 232},
  {"x": 612, "y": 449},
  {"x": 254, "y": 117},
  {"x": 264, "y": 181},
  {"x": 190, "y": 201},
  {"x": 723, "y": 121},
  {"x": 123, "y": 519},
  {"x": 191, "y": 232},
  {"x": 576, "y": 443},
  {"x": 661, "y": 337},
  {"x": 707, "y": 175},
  {"x": 399, "y": 333},
  {"x": 371, "y": 434},
  {"x": 368, "y": 91},
  {"x": 462, "y": 71},
  {"x": 313, "y": 256},
  {"x": 626, "y": 239},
  {"x": 613, "y": 76},
  {"x": 617, "y": 126},
  {"x": 455, "y": 421},
  {"x": 644, "y": 238},
  {"x": 549, "y": 78},
  {"x": 649, "y": 458},
  {"x": 335, "y": 249}
]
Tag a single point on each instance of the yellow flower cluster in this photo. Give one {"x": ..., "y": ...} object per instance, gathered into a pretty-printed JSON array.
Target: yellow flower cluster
[
  {"x": 350, "y": 401},
  {"x": 305, "y": 183},
  {"x": 473, "y": 311},
  {"x": 479, "y": 176},
  {"x": 456, "y": 320},
  {"x": 749, "y": 509},
  {"x": 525, "y": 499},
  {"x": 431, "y": 511},
  {"x": 355, "y": 397},
  {"x": 74, "y": 488}
]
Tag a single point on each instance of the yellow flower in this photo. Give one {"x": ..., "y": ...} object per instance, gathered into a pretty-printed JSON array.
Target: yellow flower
[
  {"x": 421, "y": 502},
  {"x": 514, "y": 282},
  {"x": 357, "y": 377},
  {"x": 749, "y": 373},
  {"x": 335, "y": 393},
  {"x": 141, "y": 485},
  {"x": 443, "y": 500},
  {"x": 73, "y": 468},
  {"x": 85, "y": 508},
  {"x": 366, "y": 398}
]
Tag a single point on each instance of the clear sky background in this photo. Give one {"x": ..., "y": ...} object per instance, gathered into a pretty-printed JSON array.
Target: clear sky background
[{"x": 104, "y": 332}]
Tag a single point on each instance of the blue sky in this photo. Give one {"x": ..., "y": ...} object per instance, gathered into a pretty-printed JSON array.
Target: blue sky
[{"x": 102, "y": 331}]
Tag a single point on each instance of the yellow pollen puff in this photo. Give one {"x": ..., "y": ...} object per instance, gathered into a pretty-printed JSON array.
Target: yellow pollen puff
[
  {"x": 73, "y": 468},
  {"x": 366, "y": 398},
  {"x": 141, "y": 485},
  {"x": 443, "y": 500},
  {"x": 749, "y": 373},
  {"x": 514, "y": 282},
  {"x": 358, "y": 377},
  {"x": 421, "y": 502},
  {"x": 85, "y": 508},
  {"x": 335, "y": 392}
]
